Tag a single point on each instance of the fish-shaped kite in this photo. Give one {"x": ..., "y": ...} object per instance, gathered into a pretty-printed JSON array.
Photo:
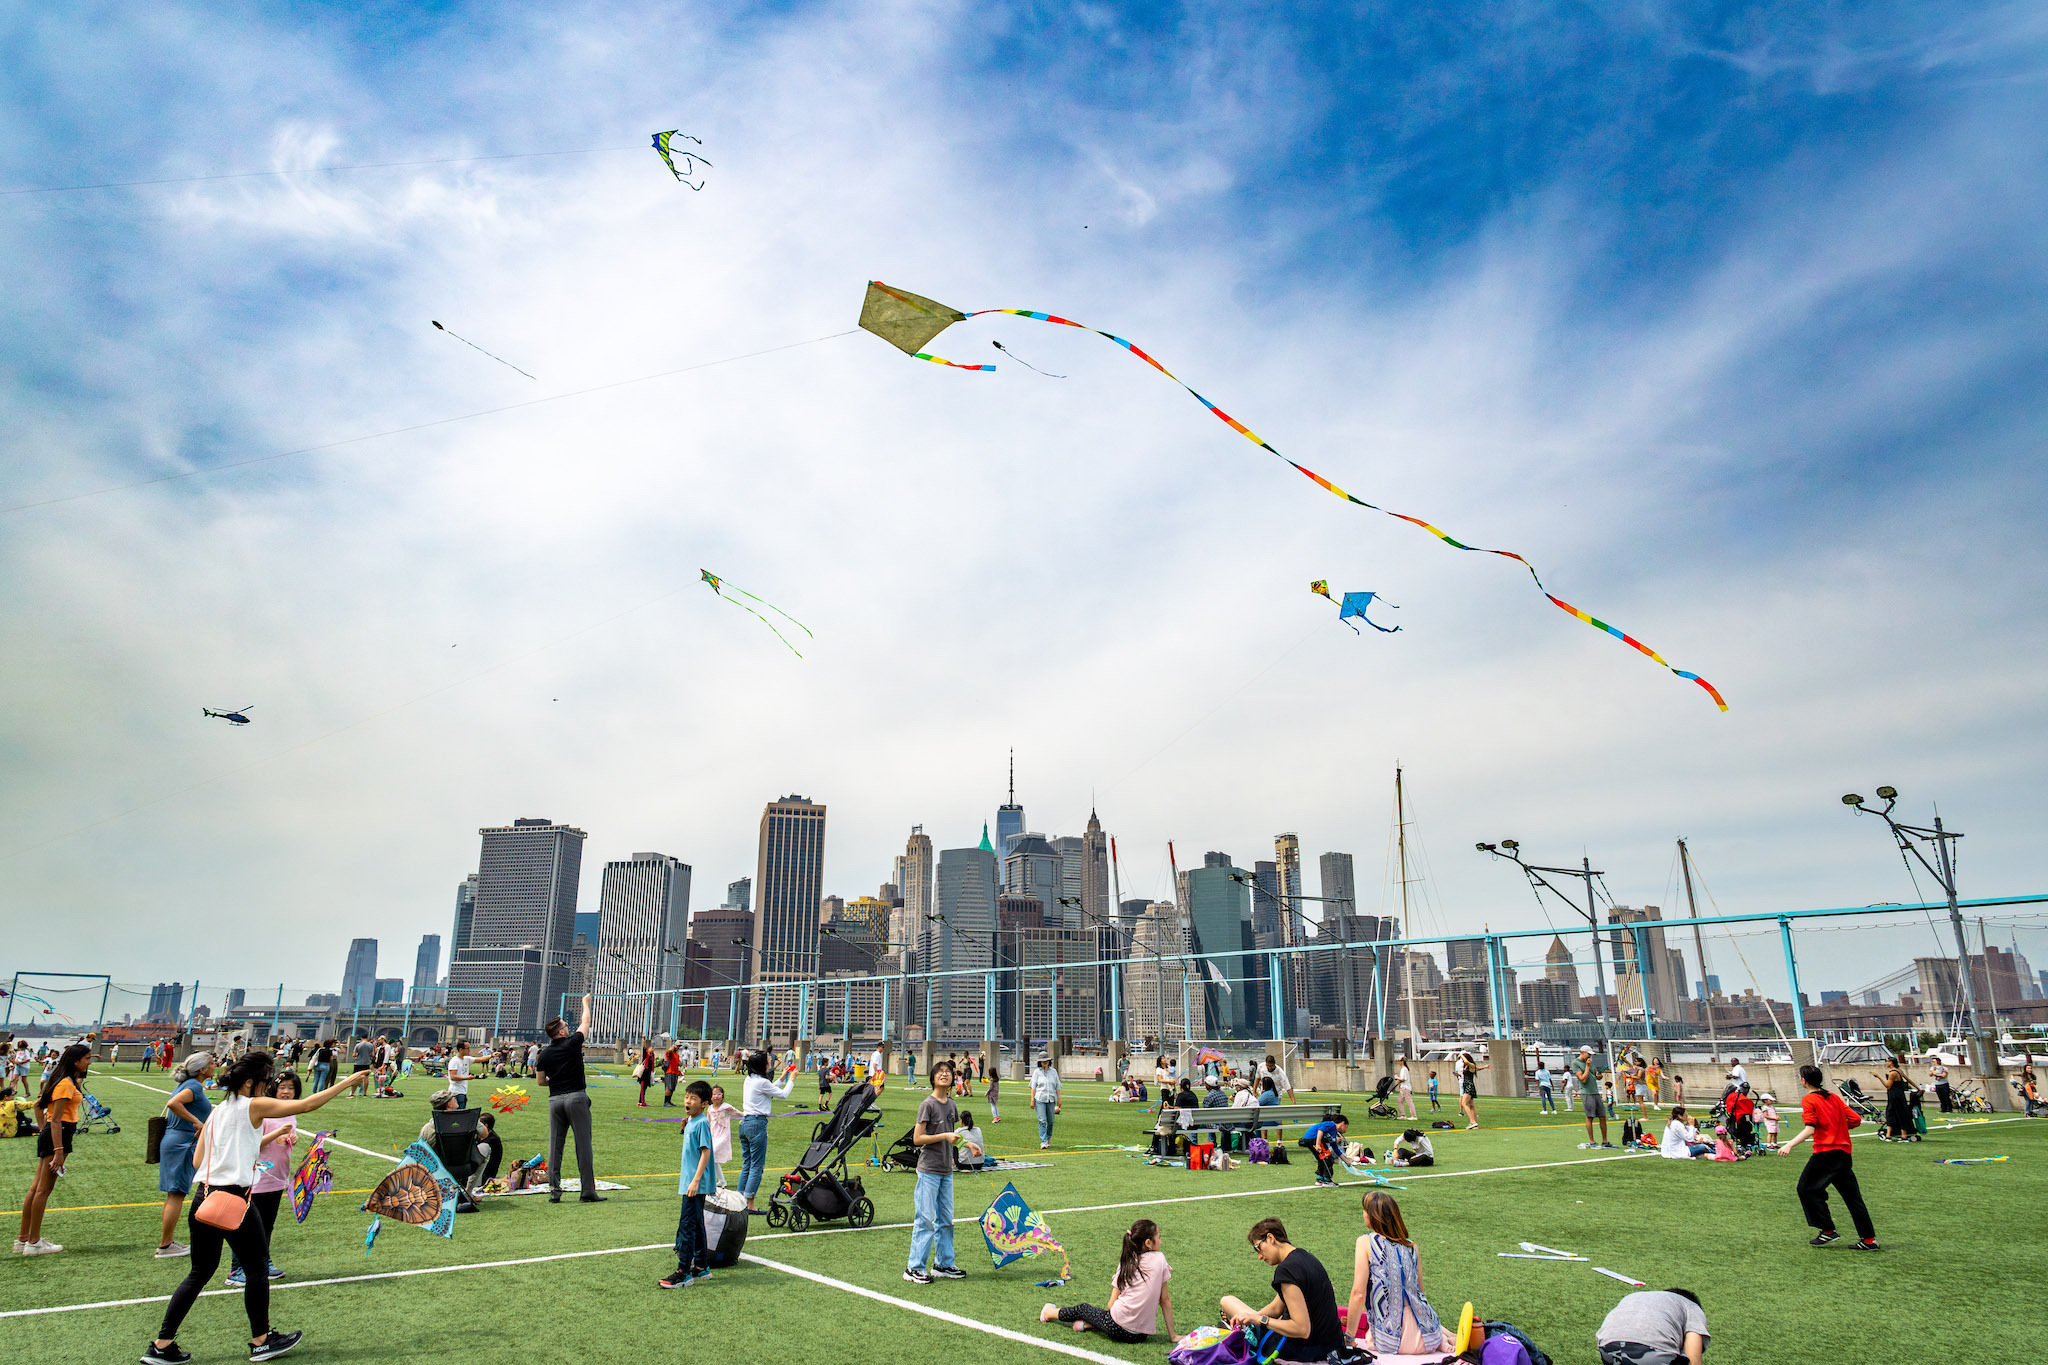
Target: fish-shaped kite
[
  {"x": 910, "y": 321},
  {"x": 419, "y": 1192},
  {"x": 720, "y": 586}
]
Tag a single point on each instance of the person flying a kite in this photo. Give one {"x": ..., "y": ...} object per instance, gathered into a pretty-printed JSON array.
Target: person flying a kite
[{"x": 909, "y": 321}]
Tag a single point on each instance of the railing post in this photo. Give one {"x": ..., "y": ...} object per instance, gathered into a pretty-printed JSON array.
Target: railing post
[
  {"x": 1492, "y": 947},
  {"x": 1792, "y": 977},
  {"x": 885, "y": 1010}
]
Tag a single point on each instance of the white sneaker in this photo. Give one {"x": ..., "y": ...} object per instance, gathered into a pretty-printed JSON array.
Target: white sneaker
[
  {"x": 172, "y": 1249},
  {"x": 19, "y": 1246},
  {"x": 42, "y": 1246}
]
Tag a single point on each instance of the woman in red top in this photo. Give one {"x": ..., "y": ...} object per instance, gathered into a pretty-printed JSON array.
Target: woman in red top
[
  {"x": 671, "y": 1072},
  {"x": 647, "y": 1072},
  {"x": 1828, "y": 1122}
]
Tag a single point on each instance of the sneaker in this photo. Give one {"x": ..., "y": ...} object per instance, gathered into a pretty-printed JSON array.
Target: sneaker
[
  {"x": 949, "y": 1272},
  {"x": 700, "y": 1277},
  {"x": 917, "y": 1274},
  {"x": 1867, "y": 1244},
  {"x": 42, "y": 1246},
  {"x": 1829, "y": 1236},
  {"x": 275, "y": 1273},
  {"x": 274, "y": 1345},
  {"x": 1326, "y": 1184},
  {"x": 1043, "y": 1146},
  {"x": 678, "y": 1278},
  {"x": 165, "y": 1355},
  {"x": 20, "y": 1246},
  {"x": 590, "y": 1199},
  {"x": 171, "y": 1249},
  {"x": 237, "y": 1280}
]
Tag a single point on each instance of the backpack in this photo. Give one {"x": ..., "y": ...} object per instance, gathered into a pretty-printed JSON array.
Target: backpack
[
  {"x": 1515, "y": 1346},
  {"x": 1256, "y": 1150}
]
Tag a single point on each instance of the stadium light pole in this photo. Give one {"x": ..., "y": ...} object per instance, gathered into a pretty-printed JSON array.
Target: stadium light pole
[
  {"x": 1510, "y": 850},
  {"x": 1943, "y": 869}
]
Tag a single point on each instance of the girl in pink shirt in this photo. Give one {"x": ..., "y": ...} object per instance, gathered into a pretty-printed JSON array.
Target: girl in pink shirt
[
  {"x": 268, "y": 1192},
  {"x": 721, "y": 1116},
  {"x": 1137, "y": 1293}
]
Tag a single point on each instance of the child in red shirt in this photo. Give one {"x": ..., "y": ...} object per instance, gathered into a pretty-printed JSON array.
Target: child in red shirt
[{"x": 1828, "y": 1122}]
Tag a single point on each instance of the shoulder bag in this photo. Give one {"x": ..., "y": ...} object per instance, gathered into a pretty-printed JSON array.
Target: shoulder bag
[{"x": 219, "y": 1209}]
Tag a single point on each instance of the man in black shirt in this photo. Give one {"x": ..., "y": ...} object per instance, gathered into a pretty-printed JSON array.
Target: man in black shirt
[{"x": 561, "y": 1071}]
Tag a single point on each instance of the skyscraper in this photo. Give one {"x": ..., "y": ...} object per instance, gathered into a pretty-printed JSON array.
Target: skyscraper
[
  {"x": 1099, "y": 918},
  {"x": 1220, "y": 921},
  {"x": 1009, "y": 818},
  {"x": 788, "y": 883},
  {"x": 960, "y": 936},
  {"x": 721, "y": 958},
  {"x": 1265, "y": 903},
  {"x": 914, "y": 879},
  {"x": 642, "y": 926},
  {"x": 1152, "y": 984},
  {"x": 465, "y": 915},
  {"x": 739, "y": 895},
  {"x": 359, "y": 975},
  {"x": 523, "y": 931},
  {"x": 426, "y": 966},
  {"x": 1035, "y": 868},
  {"x": 1293, "y": 930},
  {"x": 1340, "y": 886},
  {"x": 1558, "y": 966},
  {"x": 1650, "y": 982}
]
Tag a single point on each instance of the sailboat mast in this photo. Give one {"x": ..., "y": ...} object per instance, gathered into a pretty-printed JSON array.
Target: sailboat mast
[
  {"x": 1699, "y": 945},
  {"x": 1407, "y": 930}
]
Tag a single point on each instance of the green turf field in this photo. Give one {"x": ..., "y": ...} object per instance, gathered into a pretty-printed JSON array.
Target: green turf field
[{"x": 1957, "y": 1238}]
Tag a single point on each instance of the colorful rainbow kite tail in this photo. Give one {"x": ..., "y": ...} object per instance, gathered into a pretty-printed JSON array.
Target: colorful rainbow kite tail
[{"x": 986, "y": 369}]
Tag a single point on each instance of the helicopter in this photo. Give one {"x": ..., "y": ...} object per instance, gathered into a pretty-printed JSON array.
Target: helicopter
[{"x": 238, "y": 716}]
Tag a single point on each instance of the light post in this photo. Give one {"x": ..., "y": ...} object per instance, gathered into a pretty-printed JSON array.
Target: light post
[
  {"x": 1512, "y": 852},
  {"x": 1943, "y": 869}
]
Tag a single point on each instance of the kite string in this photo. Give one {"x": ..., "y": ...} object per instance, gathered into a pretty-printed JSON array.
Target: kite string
[
  {"x": 421, "y": 426},
  {"x": 1332, "y": 488},
  {"x": 310, "y": 170}
]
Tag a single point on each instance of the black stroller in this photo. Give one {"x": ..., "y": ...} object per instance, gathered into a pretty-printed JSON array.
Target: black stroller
[
  {"x": 1379, "y": 1108},
  {"x": 820, "y": 1187},
  {"x": 1853, "y": 1095}
]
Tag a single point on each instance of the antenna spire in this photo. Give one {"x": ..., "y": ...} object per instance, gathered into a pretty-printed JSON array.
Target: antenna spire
[{"x": 1013, "y": 776}]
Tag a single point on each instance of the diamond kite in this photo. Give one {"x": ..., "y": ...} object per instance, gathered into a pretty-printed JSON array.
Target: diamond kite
[
  {"x": 909, "y": 321},
  {"x": 1014, "y": 1230},
  {"x": 720, "y": 586},
  {"x": 665, "y": 144}
]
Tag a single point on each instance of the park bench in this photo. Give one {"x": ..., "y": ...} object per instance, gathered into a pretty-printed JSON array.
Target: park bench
[{"x": 1272, "y": 1120}]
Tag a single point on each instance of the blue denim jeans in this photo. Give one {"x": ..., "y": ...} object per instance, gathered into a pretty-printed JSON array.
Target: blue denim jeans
[
  {"x": 1045, "y": 1120},
  {"x": 690, "y": 1250},
  {"x": 1549, "y": 1105},
  {"x": 933, "y": 1220},
  {"x": 753, "y": 1153}
]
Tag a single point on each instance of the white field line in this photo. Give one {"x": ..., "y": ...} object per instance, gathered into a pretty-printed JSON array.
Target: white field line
[
  {"x": 332, "y": 1141},
  {"x": 824, "y": 1232},
  {"x": 943, "y": 1316}
]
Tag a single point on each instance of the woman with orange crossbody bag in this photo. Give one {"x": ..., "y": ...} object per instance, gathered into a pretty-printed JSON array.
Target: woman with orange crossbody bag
[{"x": 224, "y": 1175}]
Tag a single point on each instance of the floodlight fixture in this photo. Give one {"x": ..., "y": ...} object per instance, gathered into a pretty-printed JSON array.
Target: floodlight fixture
[
  {"x": 1887, "y": 793},
  {"x": 1509, "y": 844},
  {"x": 1852, "y": 799}
]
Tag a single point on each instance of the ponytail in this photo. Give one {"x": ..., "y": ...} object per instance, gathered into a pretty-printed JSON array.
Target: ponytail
[
  {"x": 1142, "y": 1231},
  {"x": 68, "y": 1068}
]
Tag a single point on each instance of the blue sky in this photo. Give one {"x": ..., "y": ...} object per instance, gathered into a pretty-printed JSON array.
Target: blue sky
[{"x": 1731, "y": 320}]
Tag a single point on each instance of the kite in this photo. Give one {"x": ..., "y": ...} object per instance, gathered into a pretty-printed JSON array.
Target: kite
[
  {"x": 1354, "y": 604},
  {"x": 474, "y": 347},
  {"x": 1321, "y": 586},
  {"x": 1025, "y": 363},
  {"x": 1971, "y": 1160},
  {"x": 419, "y": 1192},
  {"x": 1217, "y": 977},
  {"x": 508, "y": 1098},
  {"x": 663, "y": 143},
  {"x": 719, "y": 586},
  {"x": 1209, "y": 1054},
  {"x": 909, "y": 321},
  {"x": 311, "y": 1178},
  {"x": 1013, "y": 1231}
]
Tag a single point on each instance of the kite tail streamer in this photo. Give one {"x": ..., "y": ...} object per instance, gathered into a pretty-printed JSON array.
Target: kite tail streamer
[
  {"x": 764, "y": 621},
  {"x": 777, "y": 610},
  {"x": 987, "y": 369},
  {"x": 474, "y": 347},
  {"x": 1259, "y": 441}
]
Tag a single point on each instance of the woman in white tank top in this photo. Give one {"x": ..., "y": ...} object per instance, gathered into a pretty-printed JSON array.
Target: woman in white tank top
[{"x": 226, "y": 1162}]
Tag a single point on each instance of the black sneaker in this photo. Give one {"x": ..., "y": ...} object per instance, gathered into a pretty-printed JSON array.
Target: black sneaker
[
  {"x": 949, "y": 1272},
  {"x": 1867, "y": 1244},
  {"x": 1829, "y": 1236},
  {"x": 274, "y": 1345},
  {"x": 676, "y": 1279},
  {"x": 917, "y": 1274},
  {"x": 590, "y": 1199},
  {"x": 555, "y": 1197},
  {"x": 165, "y": 1355}
]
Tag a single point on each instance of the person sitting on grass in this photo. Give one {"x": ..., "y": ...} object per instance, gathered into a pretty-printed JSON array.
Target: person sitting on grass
[
  {"x": 1303, "y": 1310},
  {"x": 969, "y": 1136},
  {"x": 1412, "y": 1149},
  {"x": 1681, "y": 1138},
  {"x": 1326, "y": 1140},
  {"x": 1654, "y": 1327},
  {"x": 1387, "y": 1312},
  {"x": 1137, "y": 1293}
]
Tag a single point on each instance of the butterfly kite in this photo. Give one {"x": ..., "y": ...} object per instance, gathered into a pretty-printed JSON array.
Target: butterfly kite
[
  {"x": 665, "y": 144},
  {"x": 311, "y": 1178},
  {"x": 1354, "y": 604},
  {"x": 508, "y": 1098},
  {"x": 720, "y": 586},
  {"x": 1013, "y": 1230},
  {"x": 909, "y": 321},
  {"x": 419, "y": 1192}
]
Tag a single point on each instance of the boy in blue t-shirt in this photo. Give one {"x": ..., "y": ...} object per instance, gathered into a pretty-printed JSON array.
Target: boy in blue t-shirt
[
  {"x": 1434, "y": 1103},
  {"x": 1326, "y": 1140},
  {"x": 698, "y": 1179}
]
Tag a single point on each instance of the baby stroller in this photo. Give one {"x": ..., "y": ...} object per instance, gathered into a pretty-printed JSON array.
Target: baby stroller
[
  {"x": 820, "y": 1187},
  {"x": 1378, "y": 1107},
  {"x": 95, "y": 1112},
  {"x": 1968, "y": 1099},
  {"x": 1852, "y": 1095}
]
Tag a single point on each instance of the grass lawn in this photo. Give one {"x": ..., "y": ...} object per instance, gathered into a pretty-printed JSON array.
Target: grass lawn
[{"x": 1957, "y": 1240}]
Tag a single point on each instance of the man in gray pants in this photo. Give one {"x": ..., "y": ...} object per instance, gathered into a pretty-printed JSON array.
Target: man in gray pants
[{"x": 561, "y": 1071}]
